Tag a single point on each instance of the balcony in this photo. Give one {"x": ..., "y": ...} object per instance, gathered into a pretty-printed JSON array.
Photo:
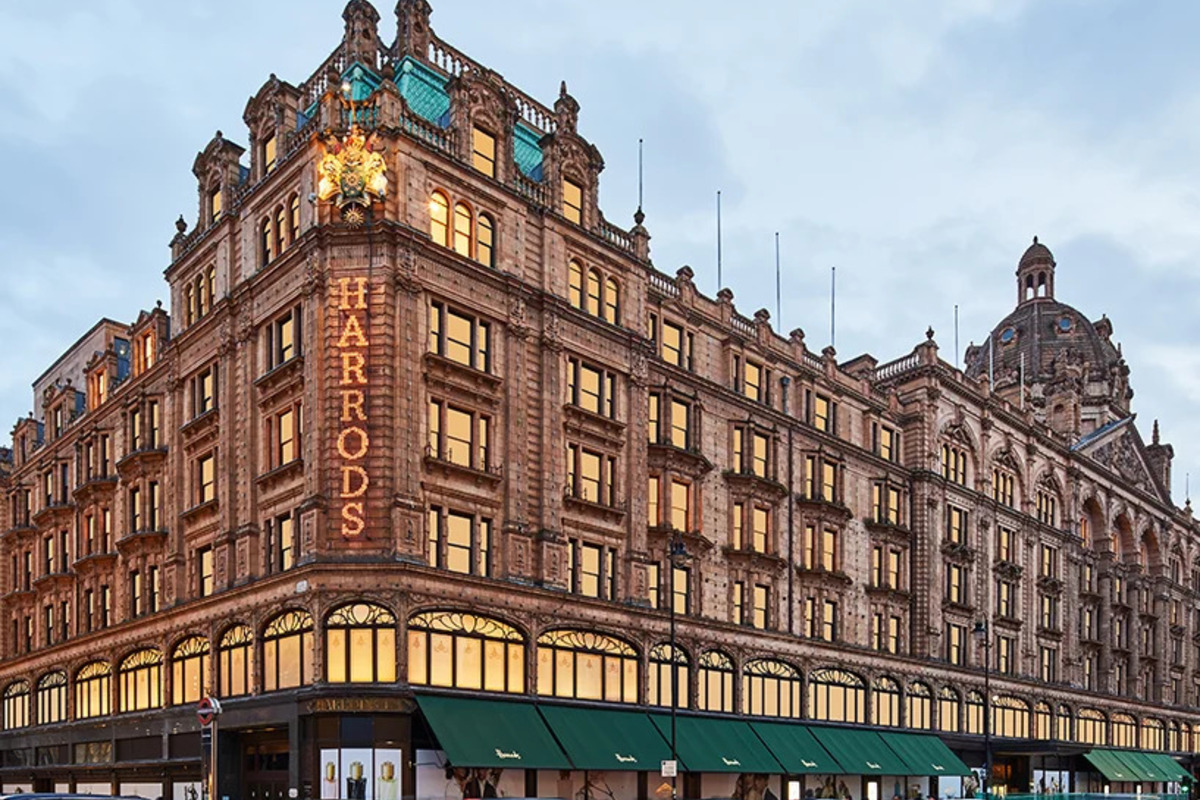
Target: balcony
[
  {"x": 755, "y": 560},
  {"x": 753, "y": 485},
  {"x": 141, "y": 462},
  {"x": 687, "y": 461},
  {"x": 95, "y": 488},
  {"x": 137, "y": 540},
  {"x": 54, "y": 514}
]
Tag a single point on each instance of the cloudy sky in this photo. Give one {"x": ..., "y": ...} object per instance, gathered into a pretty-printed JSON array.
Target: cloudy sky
[{"x": 916, "y": 145}]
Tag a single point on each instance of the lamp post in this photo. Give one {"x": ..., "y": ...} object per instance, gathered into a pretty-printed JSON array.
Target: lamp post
[
  {"x": 676, "y": 557},
  {"x": 981, "y": 631}
]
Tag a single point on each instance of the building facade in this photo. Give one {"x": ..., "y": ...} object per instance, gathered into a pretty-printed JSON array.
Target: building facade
[{"x": 420, "y": 419}]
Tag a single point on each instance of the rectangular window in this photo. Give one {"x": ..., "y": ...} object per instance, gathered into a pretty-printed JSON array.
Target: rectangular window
[
  {"x": 739, "y": 603},
  {"x": 1005, "y": 648},
  {"x": 653, "y": 584},
  {"x": 459, "y": 542},
  {"x": 738, "y": 541},
  {"x": 681, "y": 589},
  {"x": 888, "y": 444},
  {"x": 1003, "y": 487},
  {"x": 154, "y": 426},
  {"x": 136, "y": 441},
  {"x": 955, "y": 640},
  {"x": 760, "y": 529},
  {"x": 459, "y": 337},
  {"x": 956, "y": 525},
  {"x": 269, "y": 153},
  {"x": 591, "y": 475},
  {"x": 829, "y": 621},
  {"x": 204, "y": 389},
  {"x": 152, "y": 590},
  {"x": 214, "y": 205},
  {"x": 885, "y": 503},
  {"x": 135, "y": 510},
  {"x": 459, "y": 436},
  {"x": 956, "y": 584},
  {"x": 753, "y": 382},
  {"x": 153, "y": 506},
  {"x": 135, "y": 593},
  {"x": 1048, "y": 658},
  {"x": 893, "y": 635},
  {"x": 1005, "y": 593},
  {"x": 1006, "y": 544},
  {"x": 762, "y": 601},
  {"x": 591, "y": 388},
  {"x": 204, "y": 571},
  {"x": 1049, "y": 611},
  {"x": 676, "y": 345},
  {"x": 681, "y": 414},
  {"x": 877, "y": 576},
  {"x": 206, "y": 479},
  {"x": 48, "y": 560},
  {"x": 829, "y": 550},
  {"x": 681, "y": 505},
  {"x": 281, "y": 341},
  {"x": 829, "y": 482},
  {"x": 105, "y": 606},
  {"x": 572, "y": 201},
  {"x": 483, "y": 155},
  {"x": 281, "y": 547},
  {"x": 1049, "y": 561},
  {"x": 824, "y": 414},
  {"x": 653, "y": 493}
]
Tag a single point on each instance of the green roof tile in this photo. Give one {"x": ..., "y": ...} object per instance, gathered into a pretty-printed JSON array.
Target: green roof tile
[{"x": 425, "y": 91}]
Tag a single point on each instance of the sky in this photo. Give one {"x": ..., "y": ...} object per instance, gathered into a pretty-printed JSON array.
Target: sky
[{"x": 915, "y": 145}]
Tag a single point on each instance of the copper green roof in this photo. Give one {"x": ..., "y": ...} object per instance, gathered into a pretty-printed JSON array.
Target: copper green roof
[
  {"x": 424, "y": 90},
  {"x": 527, "y": 151}
]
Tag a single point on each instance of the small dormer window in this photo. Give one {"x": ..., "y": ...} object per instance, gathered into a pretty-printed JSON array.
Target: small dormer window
[
  {"x": 572, "y": 201},
  {"x": 1007, "y": 335},
  {"x": 269, "y": 154},
  {"x": 1064, "y": 324},
  {"x": 483, "y": 157},
  {"x": 144, "y": 354},
  {"x": 214, "y": 205}
]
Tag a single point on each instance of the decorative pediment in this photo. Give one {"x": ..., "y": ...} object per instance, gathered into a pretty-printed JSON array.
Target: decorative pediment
[{"x": 1119, "y": 447}]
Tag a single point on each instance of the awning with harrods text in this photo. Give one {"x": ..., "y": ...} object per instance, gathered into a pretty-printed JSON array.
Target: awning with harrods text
[
  {"x": 1167, "y": 767},
  {"x": 491, "y": 733},
  {"x": 861, "y": 752},
  {"x": 1112, "y": 766},
  {"x": 707, "y": 744},
  {"x": 1149, "y": 766},
  {"x": 796, "y": 749},
  {"x": 607, "y": 739},
  {"x": 924, "y": 754}
]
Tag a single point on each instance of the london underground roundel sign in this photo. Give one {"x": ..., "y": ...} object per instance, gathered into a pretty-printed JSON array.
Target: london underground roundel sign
[{"x": 207, "y": 710}]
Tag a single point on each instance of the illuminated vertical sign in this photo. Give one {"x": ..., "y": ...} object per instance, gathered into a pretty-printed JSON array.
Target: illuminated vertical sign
[{"x": 353, "y": 442}]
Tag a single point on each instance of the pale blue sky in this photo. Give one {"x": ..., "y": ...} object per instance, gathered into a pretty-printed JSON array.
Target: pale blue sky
[{"x": 917, "y": 145}]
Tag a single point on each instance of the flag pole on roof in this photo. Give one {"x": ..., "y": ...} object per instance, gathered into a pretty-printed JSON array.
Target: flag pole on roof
[
  {"x": 718, "y": 240},
  {"x": 778, "y": 294}
]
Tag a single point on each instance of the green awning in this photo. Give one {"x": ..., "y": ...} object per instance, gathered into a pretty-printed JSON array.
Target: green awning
[
  {"x": 1167, "y": 767},
  {"x": 705, "y": 744},
  {"x": 796, "y": 749},
  {"x": 607, "y": 739},
  {"x": 924, "y": 754},
  {"x": 492, "y": 733},
  {"x": 1111, "y": 766},
  {"x": 861, "y": 752}
]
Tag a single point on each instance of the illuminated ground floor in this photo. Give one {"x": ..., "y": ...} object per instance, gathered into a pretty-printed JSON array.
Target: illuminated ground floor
[{"x": 390, "y": 744}]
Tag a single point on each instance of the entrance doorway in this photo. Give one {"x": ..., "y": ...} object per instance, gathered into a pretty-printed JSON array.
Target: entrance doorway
[{"x": 265, "y": 763}]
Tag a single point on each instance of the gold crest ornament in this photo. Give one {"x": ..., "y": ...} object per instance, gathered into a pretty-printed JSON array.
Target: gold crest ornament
[{"x": 352, "y": 173}]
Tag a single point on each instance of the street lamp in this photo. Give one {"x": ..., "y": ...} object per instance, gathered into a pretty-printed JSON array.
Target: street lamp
[
  {"x": 982, "y": 633},
  {"x": 677, "y": 556}
]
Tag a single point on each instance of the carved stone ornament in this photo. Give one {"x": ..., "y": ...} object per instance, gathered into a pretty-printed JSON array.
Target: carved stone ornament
[{"x": 351, "y": 174}]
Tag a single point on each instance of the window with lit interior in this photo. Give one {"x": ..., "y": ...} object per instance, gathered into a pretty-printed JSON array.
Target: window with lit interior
[
  {"x": 458, "y": 650},
  {"x": 360, "y": 644},
  {"x": 586, "y": 665}
]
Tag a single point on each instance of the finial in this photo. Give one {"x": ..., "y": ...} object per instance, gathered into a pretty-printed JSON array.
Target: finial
[
  {"x": 220, "y": 135},
  {"x": 929, "y": 333},
  {"x": 158, "y": 304},
  {"x": 1155, "y": 434},
  {"x": 1035, "y": 241},
  {"x": 562, "y": 89},
  {"x": 638, "y": 216},
  {"x": 180, "y": 224}
]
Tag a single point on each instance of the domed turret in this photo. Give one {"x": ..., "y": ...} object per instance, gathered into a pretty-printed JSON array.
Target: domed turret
[
  {"x": 1074, "y": 376},
  {"x": 1035, "y": 274}
]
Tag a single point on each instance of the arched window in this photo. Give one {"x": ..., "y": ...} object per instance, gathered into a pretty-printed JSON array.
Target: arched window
[
  {"x": 612, "y": 300},
  {"x": 16, "y": 705},
  {"x": 52, "y": 697},
  {"x": 140, "y": 676},
  {"x": 1152, "y": 734},
  {"x": 1010, "y": 717},
  {"x": 836, "y": 695},
  {"x": 949, "y": 708},
  {"x": 1124, "y": 731},
  {"x": 233, "y": 661},
  {"x": 575, "y": 283},
  {"x": 974, "y": 713},
  {"x": 593, "y": 292},
  {"x": 1085, "y": 530},
  {"x": 919, "y": 707},
  {"x": 462, "y": 230},
  {"x": 1184, "y": 743},
  {"x": 294, "y": 218},
  {"x": 210, "y": 287},
  {"x": 485, "y": 235},
  {"x": 715, "y": 682},
  {"x": 770, "y": 689},
  {"x": 281, "y": 227},
  {"x": 463, "y": 651},
  {"x": 1091, "y": 727},
  {"x": 360, "y": 644},
  {"x": 586, "y": 665},
  {"x": 1062, "y": 726},
  {"x": 203, "y": 298},
  {"x": 266, "y": 242},
  {"x": 660, "y": 688},
  {"x": 885, "y": 694},
  {"x": 1043, "y": 722},
  {"x": 954, "y": 464},
  {"x": 93, "y": 690},
  {"x": 439, "y": 219},
  {"x": 189, "y": 304},
  {"x": 288, "y": 651},
  {"x": 189, "y": 670}
]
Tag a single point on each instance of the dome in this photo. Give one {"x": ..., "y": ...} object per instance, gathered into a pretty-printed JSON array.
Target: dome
[{"x": 1037, "y": 253}]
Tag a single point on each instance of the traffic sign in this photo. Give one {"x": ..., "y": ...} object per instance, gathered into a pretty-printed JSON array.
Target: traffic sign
[{"x": 207, "y": 710}]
